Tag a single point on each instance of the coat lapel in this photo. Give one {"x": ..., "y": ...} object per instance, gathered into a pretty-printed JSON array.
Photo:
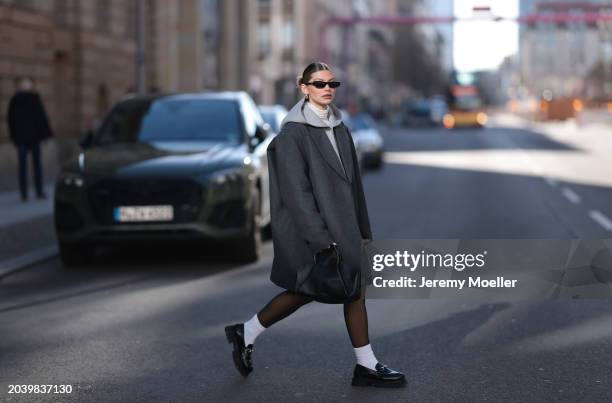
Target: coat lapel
[
  {"x": 326, "y": 149},
  {"x": 344, "y": 147}
]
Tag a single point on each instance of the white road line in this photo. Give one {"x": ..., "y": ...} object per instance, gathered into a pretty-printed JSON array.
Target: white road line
[
  {"x": 551, "y": 181},
  {"x": 536, "y": 169},
  {"x": 601, "y": 219},
  {"x": 527, "y": 160},
  {"x": 570, "y": 195}
]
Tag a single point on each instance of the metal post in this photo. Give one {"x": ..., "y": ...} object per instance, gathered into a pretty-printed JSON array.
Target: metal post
[{"x": 140, "y": 37}]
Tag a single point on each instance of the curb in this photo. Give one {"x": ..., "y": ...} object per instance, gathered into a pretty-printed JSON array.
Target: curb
[{"x": 10, "y": 266}]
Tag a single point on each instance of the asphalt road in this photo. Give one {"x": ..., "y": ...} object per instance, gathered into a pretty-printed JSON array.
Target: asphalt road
[{"x": 147, "y": 325}]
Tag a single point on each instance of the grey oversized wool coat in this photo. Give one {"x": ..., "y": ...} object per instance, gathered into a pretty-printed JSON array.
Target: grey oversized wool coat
[{"x": 312, "y": 201}]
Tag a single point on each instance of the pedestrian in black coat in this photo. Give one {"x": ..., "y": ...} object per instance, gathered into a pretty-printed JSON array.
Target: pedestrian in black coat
[
  {"x": 316, "y": 201},
  {"x": 28, "y": 126}
]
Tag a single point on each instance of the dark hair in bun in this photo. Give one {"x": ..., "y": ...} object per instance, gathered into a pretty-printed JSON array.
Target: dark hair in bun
[{"x": 310, "y": 70}]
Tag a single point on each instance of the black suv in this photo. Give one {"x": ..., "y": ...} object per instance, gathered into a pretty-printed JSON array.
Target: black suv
[{"x": 164, "y": 167}]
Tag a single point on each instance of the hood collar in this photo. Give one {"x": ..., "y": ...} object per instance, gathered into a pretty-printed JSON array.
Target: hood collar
[{"x": 301, "y": 114}]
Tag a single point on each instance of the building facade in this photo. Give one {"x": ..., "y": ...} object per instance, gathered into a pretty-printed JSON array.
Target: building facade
[
  {"x": 559, "y": 58},
  {"x": 79, "y": 54},
  {"x": 82, "y": 54},
  {"x": 270, "y": 45}
]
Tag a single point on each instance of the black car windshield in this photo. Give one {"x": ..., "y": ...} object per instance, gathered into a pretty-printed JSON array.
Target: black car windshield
[{"x": 172, "y": 119}]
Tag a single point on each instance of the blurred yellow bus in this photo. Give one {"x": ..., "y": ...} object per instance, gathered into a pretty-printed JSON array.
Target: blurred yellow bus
[{"x": 465, "y": 108}]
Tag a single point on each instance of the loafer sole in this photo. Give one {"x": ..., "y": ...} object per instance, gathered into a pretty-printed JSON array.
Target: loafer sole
[
  {"x": 398, "y": 383},
  {"x": 231, "y": 338}
]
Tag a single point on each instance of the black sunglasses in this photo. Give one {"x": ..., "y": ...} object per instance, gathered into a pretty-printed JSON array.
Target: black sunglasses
[{"x": 321, "y": 84}]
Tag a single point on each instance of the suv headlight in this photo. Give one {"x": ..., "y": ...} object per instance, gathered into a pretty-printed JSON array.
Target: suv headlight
[
  {"x": 71, "y": 179},
  {"x": 228, "y": 183},
  {"x": 226, "y": 177}
]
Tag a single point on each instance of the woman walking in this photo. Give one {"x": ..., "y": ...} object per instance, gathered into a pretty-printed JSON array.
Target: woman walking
[{"x": 318, "y": 207}]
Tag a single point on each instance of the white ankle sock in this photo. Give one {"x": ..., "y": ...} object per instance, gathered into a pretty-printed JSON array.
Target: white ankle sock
[
  {"x": 252, "y": 329},
  {"x": 365, "y": 356}
]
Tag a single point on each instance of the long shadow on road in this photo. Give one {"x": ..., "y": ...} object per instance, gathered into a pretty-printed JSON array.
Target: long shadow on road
[
  {"x": 301, "y": 360},
  {"x": 114, "y": 269}
]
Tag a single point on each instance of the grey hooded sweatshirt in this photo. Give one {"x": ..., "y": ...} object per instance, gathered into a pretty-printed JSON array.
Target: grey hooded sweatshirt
[{"x": 302, "y": 112}]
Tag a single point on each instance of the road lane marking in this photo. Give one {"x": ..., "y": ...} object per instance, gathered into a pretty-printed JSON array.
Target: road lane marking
[
  {"x": 570, "y": 195},
  {"x": 533, "y": 166},
  {"x": 601, "y": 219},
  {"x": 536, "y": 169}
]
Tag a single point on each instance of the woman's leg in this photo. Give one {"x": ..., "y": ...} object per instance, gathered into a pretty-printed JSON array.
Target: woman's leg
[
  {"x": 243, "y": 335},
  {"x": 22, "y": 152},
  {"x": 279, "y": 307},
  {"x": 356, "y": 319},
  {"x": 37, "y": 167}
]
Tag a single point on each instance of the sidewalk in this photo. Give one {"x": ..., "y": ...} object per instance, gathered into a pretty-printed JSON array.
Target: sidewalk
[
  {"x": 15, "y": 211},
  {"x": 27, "y": 234},
  {"x": 27, "y": 231},
  {"x": 592, "y": 119}
]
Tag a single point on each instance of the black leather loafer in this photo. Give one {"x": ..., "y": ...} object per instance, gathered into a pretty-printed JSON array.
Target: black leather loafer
[
  {"x": 241, "y": 353},
  {"x": 383, "y": 377}
]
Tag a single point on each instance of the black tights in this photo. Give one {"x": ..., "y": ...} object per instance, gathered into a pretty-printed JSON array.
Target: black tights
[{"x": 287, "y": 302}]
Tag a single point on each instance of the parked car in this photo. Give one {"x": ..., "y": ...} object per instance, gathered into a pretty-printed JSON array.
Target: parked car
[
  {"x": 346, "y": 118},
  {"x": 168, "y": 167},
  {"x": 417, "y": 112},
  {"x": 425, "y": 111},
  {"x": 438, "y": 108},
  {"x": 367, "y": 139},
  {"x": 273, "y": 115}
]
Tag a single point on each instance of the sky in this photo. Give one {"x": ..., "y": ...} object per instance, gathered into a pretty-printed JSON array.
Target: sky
[{"x": 482, "y": 45}]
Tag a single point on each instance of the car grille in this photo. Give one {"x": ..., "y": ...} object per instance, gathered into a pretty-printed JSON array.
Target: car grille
[
  {"x": 67, "y": 218},
  {"x": 228, "y": 215},
  {"x": 184, "y": 195}
]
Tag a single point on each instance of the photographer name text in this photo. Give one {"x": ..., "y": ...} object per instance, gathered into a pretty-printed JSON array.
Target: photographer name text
[{"x": 424, "y": 282}]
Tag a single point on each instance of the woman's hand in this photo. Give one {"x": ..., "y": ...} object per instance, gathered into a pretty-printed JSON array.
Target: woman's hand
[{"x": 331, "y": 251}]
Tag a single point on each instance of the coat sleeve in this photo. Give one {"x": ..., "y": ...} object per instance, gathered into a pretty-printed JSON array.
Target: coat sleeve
[
  {"x": 12, "y": 121},
  {"x": 44, "y": 127},
  {"x": 296, "y": 192},
  {"x": 362, "y": 215}
]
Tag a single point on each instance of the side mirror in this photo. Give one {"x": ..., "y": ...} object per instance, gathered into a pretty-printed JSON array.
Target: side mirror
[
  {"x": 262, "y": 132},
  {"x": 87, "y": 138}
]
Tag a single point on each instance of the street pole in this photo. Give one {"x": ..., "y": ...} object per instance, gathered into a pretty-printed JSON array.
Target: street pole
[{"x": 140, "y": 37}]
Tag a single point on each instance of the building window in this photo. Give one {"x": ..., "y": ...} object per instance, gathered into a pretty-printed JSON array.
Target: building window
[
  {"x": 263, "y": 38},
  {"x": 103, "y": 15},
  {"x": 288, "y": 35}
]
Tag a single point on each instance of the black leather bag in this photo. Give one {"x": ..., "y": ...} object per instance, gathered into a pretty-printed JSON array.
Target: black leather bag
[{"x": 328, "y": 279}]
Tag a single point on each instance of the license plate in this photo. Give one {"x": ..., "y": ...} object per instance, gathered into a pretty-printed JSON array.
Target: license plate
[{"x": 143, "y": 213}]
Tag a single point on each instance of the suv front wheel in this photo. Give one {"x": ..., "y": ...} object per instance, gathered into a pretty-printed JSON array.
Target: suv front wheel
[{"x": 247, "y": 249}]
